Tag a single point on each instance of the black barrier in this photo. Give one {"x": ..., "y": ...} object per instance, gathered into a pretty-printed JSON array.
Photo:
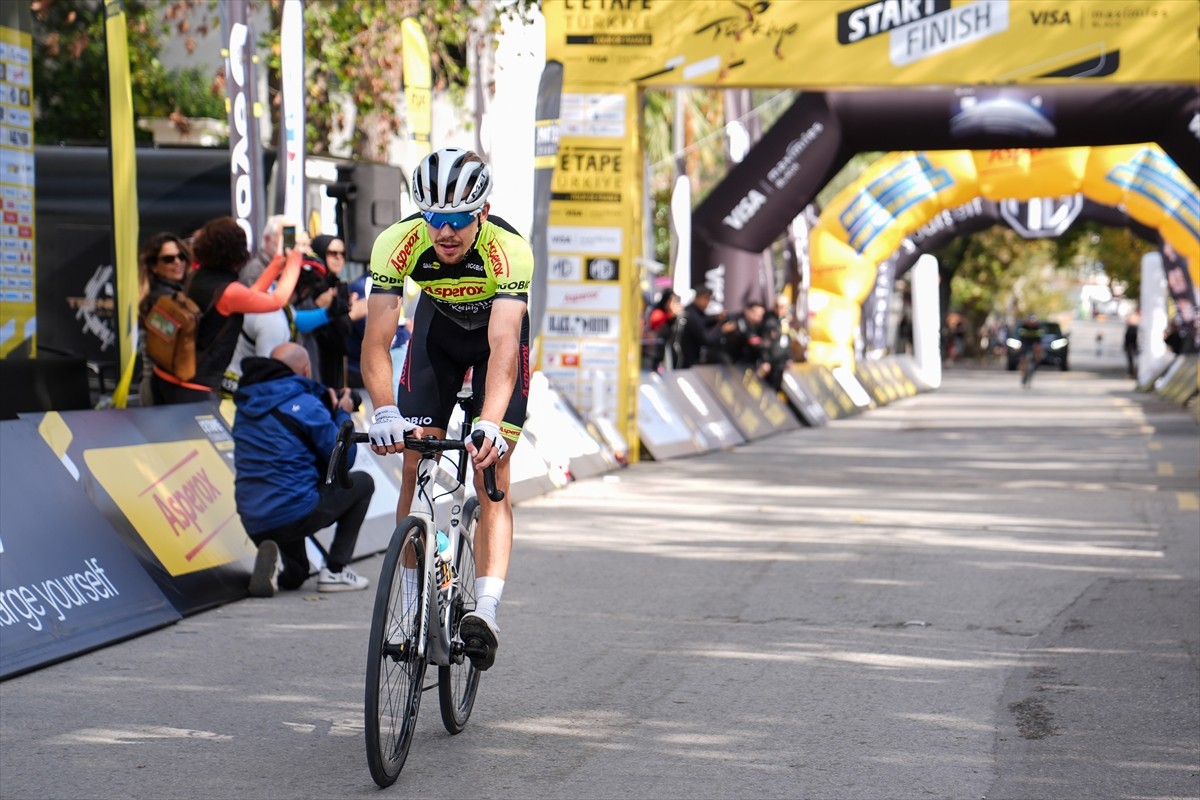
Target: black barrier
[
  {"x": 912, "y": 374},
  {"x": 1179, "y": 385},
  {"x": 664, "y": 429},
  {"x": 874, "y": 382},
  {"x": 68, "y": 583},
  {"x": 821, "y": 384},
  {"x": 701, "y": 408},
  {"x": 163, "y": 478},
  {"x": 804, "y": 401},
  {"x": 753, "y": 408}
]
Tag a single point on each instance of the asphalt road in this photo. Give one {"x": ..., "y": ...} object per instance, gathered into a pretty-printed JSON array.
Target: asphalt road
[{"x": 978, "y": 592}]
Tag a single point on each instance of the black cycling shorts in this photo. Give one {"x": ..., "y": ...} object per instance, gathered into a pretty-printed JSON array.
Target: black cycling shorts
[{"x": 439, "y": 354}]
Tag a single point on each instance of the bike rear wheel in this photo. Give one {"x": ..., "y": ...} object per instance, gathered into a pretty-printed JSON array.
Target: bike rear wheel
[
  {"x": 458, "y": 682},
  {"x": 395, "y": 671}
]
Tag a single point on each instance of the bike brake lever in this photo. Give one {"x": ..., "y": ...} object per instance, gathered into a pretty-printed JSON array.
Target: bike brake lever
[{"x": 489, "y": 474}]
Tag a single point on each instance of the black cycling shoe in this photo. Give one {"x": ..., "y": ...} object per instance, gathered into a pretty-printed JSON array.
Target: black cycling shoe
[{"x": 480, "y": 640}]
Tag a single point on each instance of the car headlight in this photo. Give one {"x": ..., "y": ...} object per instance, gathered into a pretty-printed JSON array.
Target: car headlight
[
  {"x": 1015, "y": 344},
  {"x": 1058, "y": 344}
]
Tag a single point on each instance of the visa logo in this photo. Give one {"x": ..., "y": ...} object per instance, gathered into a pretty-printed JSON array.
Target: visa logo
[{"x": 1052, "y": 17}]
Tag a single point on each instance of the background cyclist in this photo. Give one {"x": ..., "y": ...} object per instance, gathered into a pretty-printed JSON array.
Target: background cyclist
[
  {"x": 1030, "y": 334},
  {"x": 474, "y": 271}
]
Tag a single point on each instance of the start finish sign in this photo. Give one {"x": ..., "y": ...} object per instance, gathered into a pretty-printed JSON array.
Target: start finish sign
[{"x": 839, "y": 43}]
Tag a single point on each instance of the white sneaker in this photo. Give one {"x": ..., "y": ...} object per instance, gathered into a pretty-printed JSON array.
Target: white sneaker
[
  {"x": 345, "y": 581},
  {"x": 264, "y": 580}
]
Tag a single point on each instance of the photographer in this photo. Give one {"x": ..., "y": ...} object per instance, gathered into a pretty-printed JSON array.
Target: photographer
[
  {"x": 331, "y": 339},
  {"x": 283, "y": 433}
]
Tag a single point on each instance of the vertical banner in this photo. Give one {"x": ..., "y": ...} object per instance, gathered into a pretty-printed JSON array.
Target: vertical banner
[
  {"x": 418, "y": 88},
  {"x": 18, "y": 306},
  {"x": 291, "y": 112},
  {"x": 123, "y": 159},
  {"x": 591, "y": 335},
  {"x": 545, "y": 153},
  {"x": 247, "y": 186},
  {"x": 1186, "y": 297}
]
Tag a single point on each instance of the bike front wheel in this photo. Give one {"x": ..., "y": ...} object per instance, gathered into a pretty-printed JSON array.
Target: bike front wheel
[
  {"x": 458, "y": 682},
  {"x": 395, "y": 663}
]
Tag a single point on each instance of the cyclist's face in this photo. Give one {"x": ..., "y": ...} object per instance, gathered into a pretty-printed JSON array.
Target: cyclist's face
[{"x": 451, "y": 245}]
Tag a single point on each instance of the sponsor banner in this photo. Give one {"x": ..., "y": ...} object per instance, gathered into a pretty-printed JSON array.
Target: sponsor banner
[
  {"x": 565, "y": 267},
  {"x": 804, "y": 401},
  {"x": 579, "y": 325},
  {"x": 247, "y": 182},
  {"x": 687, "y": 391},
  {"x": 605, "y": 240},
  {"x": 594, "y": 115},
  {"x": 561, "y": 435},
  {"x": 1186, "y": 296},
  {"x": 291, "y": 109},
  {"x": 583, "y": 297},
  {"x": 163, "y": 478},
  {"x": 753, "y": 408},
  {"x": 68, "y": 582},
  {"x": 418, "y": 87},
  {"x": 829, "y": 43},
  {"x": 18, "y": 300},
  {"x": 545, "y": 148},
  {"x": 823, "y": 386},
  {"x": 665, "y": 430}
]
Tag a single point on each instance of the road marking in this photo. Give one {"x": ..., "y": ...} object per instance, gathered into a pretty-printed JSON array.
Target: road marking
[
  {"x": 1188, "y": 501},
  {"x": 1166, "y": 468},
  {"x": 1154, "y": 445}
]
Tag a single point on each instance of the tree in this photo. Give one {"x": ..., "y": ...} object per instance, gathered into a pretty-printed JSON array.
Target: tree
[
  {"x": 70, "y": 77},
  {"x": 1116, "y": 251}
]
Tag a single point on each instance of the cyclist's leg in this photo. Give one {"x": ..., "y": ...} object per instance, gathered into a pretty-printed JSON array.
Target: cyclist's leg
[{"x": 493, "y": 540}]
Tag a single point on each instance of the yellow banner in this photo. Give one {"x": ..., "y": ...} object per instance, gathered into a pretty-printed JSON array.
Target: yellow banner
[
  {"x": 18, "y": 299},
  {"x": 418, "y": 86},
  {"x": 836, "y": 43},
  {"x": 124, "y": 192},
  {"x": 179, "y": 498}
]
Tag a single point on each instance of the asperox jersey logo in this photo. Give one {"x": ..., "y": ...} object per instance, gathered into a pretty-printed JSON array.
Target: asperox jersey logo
[{"x": 405, "y": 249}]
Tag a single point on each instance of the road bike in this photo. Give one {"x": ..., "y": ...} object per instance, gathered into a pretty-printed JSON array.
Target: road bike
[
  {"x": 1030, "y": 359},
  {"x": 416, "y": 625}
]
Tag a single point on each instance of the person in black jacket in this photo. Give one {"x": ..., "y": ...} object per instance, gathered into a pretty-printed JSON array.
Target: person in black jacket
[{"x": 699, "y": 335}]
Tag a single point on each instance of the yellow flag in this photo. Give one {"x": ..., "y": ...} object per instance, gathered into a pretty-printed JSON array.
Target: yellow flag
[{"x": 124, "y": 192}]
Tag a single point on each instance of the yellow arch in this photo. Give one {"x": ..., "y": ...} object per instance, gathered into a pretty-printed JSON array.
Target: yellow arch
[{"x": 866, "y": 221}]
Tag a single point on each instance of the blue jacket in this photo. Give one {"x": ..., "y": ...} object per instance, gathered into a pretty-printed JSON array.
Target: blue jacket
[{"x": 279, "y": 466}]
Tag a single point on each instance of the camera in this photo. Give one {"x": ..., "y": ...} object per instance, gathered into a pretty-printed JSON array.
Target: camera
[{"x": 355, "y": 399}]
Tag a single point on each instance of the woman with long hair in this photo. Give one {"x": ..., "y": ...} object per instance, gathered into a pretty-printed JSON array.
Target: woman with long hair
[
  {"x": 162, "y": 264},
  {"x": 220, "y": 251}
]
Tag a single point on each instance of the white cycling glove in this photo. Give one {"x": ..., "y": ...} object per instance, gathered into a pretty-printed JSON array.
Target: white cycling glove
[
  {"x": 492, "y": 431},
  {"x": 389, "y": 427}
]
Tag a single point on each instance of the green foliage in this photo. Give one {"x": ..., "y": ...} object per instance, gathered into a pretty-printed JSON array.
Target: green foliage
[
  {"x": 355, "y": 58},
  {"x": 70, "y": 76},
  {"x": 1117, "y": 252}
]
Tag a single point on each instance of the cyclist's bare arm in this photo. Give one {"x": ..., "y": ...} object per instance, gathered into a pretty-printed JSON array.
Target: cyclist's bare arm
[
  {"x": 383, "y": 315},
  {"x": 504, "y": 341}
]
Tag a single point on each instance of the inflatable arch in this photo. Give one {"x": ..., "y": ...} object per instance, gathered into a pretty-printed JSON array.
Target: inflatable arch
[{"x": 900, "y": 192}]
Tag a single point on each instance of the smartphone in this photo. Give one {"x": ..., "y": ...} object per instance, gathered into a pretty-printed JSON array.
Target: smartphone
[{"x": 289, "y": 237}]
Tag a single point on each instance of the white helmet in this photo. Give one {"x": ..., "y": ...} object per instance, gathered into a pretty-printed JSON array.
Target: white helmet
[{"x": 451, "y": 180}]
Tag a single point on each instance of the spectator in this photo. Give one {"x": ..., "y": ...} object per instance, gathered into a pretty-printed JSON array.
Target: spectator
[
  {"x": 162, "y": 265},
  {"x": 751, "y": 341},
  {"x": 331, "y": 340},
  {"x": 1173, "y": 336},
  {"x": 272, "y": 243},
  {"x": 662, "y": 329},
  {"x": 283, "y": 433},
  {"x": 220, "y": 249},
  {"x": 262, "y": 333},
  {"x": 699, "y": 334},
  {"x": 1131, "y": 345},
  {"x": 360, "y": 289}
]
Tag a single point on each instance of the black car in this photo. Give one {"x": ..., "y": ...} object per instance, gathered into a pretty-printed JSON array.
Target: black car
[{"x": 1055, "y": 347}]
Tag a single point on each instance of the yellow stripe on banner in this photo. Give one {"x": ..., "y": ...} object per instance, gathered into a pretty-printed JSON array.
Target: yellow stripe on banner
[
  {"x": 54, "y": 431},
  {"x": 1188, "y": 501},
  {"x": 1165, "y": 468},
  {"x": 124, "y": 192}
]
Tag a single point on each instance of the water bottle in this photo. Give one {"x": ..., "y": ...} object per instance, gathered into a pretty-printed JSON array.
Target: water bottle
[{"x": 443, "y": 561}]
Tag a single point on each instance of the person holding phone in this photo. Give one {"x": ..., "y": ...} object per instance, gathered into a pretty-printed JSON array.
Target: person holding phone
[{"x": 269, "y": 246}]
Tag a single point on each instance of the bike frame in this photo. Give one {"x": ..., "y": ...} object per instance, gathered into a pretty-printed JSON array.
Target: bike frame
[{"x": 437, "y": 648}]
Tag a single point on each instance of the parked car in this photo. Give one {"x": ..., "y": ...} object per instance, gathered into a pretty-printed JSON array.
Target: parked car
[{"x": 1055, "y": 347}]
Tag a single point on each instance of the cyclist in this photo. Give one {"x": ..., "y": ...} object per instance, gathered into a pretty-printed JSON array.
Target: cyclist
[
  {"x": 1030, "y": 334},
  {"x": 474, "y": 272}
]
